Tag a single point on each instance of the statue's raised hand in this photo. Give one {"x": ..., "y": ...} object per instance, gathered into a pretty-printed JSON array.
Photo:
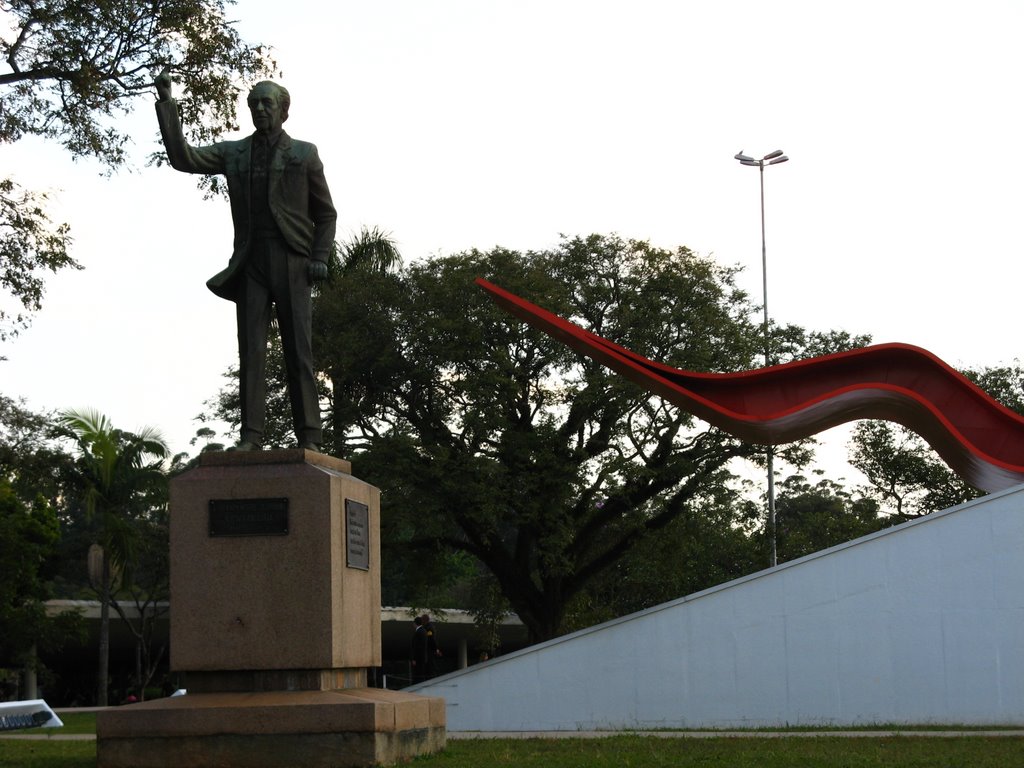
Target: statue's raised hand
[{"x": 163, "y": 84}]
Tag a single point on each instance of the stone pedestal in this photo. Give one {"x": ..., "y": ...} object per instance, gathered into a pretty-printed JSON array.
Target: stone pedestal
[
  {"x": 275, "y": 616},
  {"x": 272, "y": 601},
  {"x": 354, "y": 727}
]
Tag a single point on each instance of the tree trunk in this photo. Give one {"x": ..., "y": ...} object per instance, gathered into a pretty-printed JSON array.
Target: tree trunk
[
  {"x": 103, "y": 665},
  {"x": 29, "y": 681},
  {"x": 138, "y": 668}
]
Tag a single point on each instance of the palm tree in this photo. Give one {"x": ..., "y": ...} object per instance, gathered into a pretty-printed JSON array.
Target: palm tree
[
  {"x": 350, "y": 313},
  {"x": 119, "y": 472},
  {"x": 372, "y": 249}
]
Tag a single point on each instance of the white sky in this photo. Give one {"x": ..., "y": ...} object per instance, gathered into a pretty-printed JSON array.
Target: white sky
[{"x": 474, "y": 124}]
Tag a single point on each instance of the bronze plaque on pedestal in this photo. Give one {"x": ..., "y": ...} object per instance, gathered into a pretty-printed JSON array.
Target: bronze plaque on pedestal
[
  {"x": 248, "y": 517},
  {"x": 357, "y": 535}
]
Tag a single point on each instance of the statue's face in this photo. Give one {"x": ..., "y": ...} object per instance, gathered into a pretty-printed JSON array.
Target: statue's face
[{"x": 265, "y": 106}]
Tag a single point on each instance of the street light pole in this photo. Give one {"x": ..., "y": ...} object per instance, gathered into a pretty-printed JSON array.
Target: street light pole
[{"x": 772, "y": 158}]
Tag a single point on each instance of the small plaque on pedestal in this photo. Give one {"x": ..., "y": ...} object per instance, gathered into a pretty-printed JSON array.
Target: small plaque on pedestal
[{"x": 357, "y": 538}]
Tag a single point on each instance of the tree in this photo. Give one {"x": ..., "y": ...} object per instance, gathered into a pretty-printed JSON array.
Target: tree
[
  {"x": 495, "y": 440},
  {"x": 70, "y": 71},
  {"x": 354, "y": 333},
  {"x": 28, "y": 538},
  {"x": 371, "y": 250},
  {"x": 707, "y": 545},
  {"x": 34, "y": 484},
  {"x": 122, "y": 479},
  {"x": 811, "y": 518},
  {"x": 31, "y": 245},
  {"x": 32, "y": 458},
  {"x": 904, "y": 473},
  {"x": 28, "y": 545},
  {"x": 146, "y": 580}
]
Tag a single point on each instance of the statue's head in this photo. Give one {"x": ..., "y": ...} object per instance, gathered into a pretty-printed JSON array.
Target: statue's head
[{"x": 269, "y": 103}]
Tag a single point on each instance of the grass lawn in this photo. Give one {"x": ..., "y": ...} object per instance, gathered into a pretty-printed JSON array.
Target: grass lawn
[
  {"x": 74, "y": 722},
  {"x": 643, "y": 752},
  {"x": 650, "y": 752},
  {"x": 47, "y": 754}
]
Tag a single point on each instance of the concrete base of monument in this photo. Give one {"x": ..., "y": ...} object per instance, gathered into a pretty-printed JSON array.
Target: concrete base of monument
[
  {"x": 275, "y": 578},
  {"x": 275, "y": 729}
]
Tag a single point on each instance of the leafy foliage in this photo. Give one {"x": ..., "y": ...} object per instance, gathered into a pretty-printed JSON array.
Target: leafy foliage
[
  {"x": 791, "y": 342},
  {"x": 903, "y": 472},
  {"x": 76, "y": 67},
  {"x": 497, "y": 441},
  {"x": 707, "y": 544},
  {"x": 32, "y": 459},
  {"x": 70, "y": 71},
  {"x": 55, "y": 508},
  {"x": 1005, "y": 383},
  {"x": 121, "y": 475},
  {"x": 372, "y": 249},
  {"x": 31, "y": 245},
  {"x": 810, "y": 518},
  {"x": 28, "y": 545},
  {"x": 34, "y": 481}
]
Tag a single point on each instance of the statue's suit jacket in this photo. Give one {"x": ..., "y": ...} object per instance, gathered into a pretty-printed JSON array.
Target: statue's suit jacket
[{"x": 298, "y": 195}]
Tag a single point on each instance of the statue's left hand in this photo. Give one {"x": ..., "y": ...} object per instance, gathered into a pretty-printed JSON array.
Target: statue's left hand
[{"x": 317, "y": 271}]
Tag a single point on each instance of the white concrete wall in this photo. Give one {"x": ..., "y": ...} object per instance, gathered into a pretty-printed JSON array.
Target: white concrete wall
[{"x": 922, "y": 623}]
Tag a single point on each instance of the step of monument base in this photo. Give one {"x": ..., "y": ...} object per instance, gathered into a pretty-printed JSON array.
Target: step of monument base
[{"x": 340, "y": 729}]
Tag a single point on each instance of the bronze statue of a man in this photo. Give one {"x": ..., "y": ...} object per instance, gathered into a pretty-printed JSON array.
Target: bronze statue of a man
[{"x": 284, "y": 224}]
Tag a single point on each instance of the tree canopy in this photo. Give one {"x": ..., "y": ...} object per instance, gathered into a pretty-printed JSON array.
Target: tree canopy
[
  {"x": 31, "y": 245},
  {"x": 69, "y": 71},
  {"x": 494, "y": 440},
  {"x": 35, "y": 481},
  {"x": 75, "y": 67},
  {"x": 815, "y": 517},
  {"x": 28, "y": 546}
]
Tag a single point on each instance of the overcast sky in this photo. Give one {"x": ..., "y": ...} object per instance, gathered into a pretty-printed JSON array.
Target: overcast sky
[{"x": 473, "y": 124}]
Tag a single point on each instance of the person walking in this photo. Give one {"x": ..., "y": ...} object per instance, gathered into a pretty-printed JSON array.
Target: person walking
[{"x": 432, "y": 652}]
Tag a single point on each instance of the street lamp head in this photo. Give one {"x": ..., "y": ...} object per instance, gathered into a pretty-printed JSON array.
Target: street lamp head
[
  {"x": 773, "y": 155},
  {"x": 778, "y": 160},
  {"x": 744, "y": 158}
]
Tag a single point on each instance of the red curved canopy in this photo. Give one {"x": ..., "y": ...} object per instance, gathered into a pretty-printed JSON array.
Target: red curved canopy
[{"x": 980, "y": 439}]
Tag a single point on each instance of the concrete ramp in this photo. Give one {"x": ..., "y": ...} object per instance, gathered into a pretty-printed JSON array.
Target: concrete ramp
[{"x": 921, "y": 623}]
